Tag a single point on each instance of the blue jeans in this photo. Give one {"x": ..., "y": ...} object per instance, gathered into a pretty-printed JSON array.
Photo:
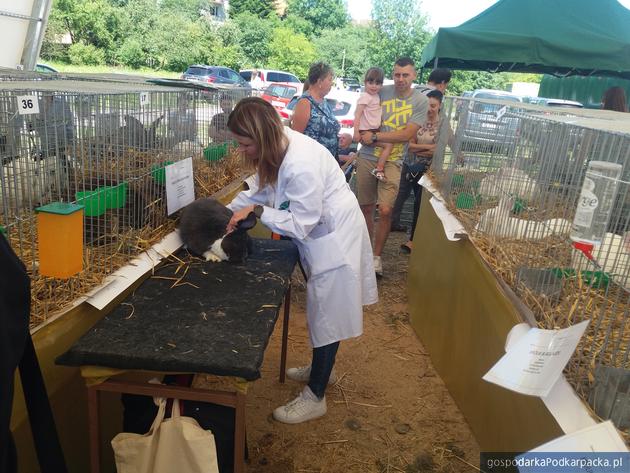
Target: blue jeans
[{"x": 321, "y": 367}]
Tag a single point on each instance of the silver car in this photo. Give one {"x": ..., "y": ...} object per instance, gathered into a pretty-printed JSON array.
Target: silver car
[{"x": 487, "y": 126}]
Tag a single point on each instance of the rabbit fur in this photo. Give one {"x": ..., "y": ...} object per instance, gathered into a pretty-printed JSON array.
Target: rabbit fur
[
  {"x": 202, "y": 228},
  {"x": 509, "y": 182},
  {"x": 497, "y": 222}
]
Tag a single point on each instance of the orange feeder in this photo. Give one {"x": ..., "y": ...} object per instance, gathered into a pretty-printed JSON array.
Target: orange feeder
[{"x": 60, "y": 239}]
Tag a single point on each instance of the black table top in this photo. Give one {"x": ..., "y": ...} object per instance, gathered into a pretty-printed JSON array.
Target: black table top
[{"x": 217, "y": 319}]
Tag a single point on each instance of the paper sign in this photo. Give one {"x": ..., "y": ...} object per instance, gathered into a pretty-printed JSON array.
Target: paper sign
[
  {"x": 535, "y": 362},
  {"x": 145, "y": 99},
  {"x": 501, "y": 112},
  {"x": 27, "y": 104},
  {"x": 562, "y": 402},
  {"x": 180, "y": 185}
]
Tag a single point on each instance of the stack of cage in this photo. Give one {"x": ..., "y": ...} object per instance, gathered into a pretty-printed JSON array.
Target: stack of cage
[
  {"x": 104, "y": 144},
  {"x": 518, "y": 177}
]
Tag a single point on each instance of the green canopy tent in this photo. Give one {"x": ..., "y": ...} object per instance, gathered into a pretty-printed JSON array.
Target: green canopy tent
[{"x": 559, "y": 37}]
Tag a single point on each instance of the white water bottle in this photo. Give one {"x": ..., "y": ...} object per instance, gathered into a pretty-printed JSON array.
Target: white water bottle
[{"x": 596, "y": 202}]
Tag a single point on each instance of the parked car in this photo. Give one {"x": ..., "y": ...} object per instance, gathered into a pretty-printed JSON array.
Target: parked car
[
  {"x": 279, "y": 95},
  {"x": 347, "y": 83},
  {"x": 486, "y": 127},
  {"x": 269, "y": 77},
  {"x": 219, "y": 75},
  {"x": 342, "y": 103}
]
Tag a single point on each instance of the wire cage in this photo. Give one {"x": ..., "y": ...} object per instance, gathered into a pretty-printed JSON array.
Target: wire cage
[
  {"x": 517, "y": 175},
  {"x": 104, "y": 144}
]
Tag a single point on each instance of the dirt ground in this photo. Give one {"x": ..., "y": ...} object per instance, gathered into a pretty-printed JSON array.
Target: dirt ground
[{"x": 389, "y": 410}]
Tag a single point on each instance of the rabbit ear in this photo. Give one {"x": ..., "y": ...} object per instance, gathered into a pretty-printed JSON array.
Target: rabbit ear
[{"x": 247, "y": 223}]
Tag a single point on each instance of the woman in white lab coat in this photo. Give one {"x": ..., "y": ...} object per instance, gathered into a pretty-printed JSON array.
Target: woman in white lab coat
[{"x": 299, "y": 192}]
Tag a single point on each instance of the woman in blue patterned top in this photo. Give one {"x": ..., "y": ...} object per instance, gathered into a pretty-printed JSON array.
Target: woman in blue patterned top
[{"x": 312, "y": 115}]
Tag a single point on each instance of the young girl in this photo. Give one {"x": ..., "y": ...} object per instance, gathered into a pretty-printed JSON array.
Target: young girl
[{"x": 368, "y": 116}]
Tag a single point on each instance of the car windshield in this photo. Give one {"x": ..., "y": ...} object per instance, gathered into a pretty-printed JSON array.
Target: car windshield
[
  {"x": 280, "y": 91},
  {"x": 198, "y": 71}
]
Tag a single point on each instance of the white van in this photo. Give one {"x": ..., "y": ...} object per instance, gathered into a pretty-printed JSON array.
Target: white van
[{"x": 270, "y": 77}]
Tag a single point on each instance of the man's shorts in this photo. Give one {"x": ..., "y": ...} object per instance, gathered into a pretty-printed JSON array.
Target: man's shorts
[{"x": 370, "y": 190}]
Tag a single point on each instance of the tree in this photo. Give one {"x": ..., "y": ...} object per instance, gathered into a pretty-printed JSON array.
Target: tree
[
  {"x": 260, "y": 8},
  {"x": 291, "y": 52},
  {"x": 255, "y": 35},
  {"x": 400, "y": 29},
  {"x": 93, "y": 23},
  {"x": 345, "y": 49},
  {"x": 319, "y": 14}
]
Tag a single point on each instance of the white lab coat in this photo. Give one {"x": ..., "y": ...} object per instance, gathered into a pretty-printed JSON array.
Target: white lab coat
[{"x": 325, "y": 222}]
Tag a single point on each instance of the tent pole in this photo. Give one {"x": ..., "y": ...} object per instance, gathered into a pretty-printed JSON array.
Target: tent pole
[{"x": 435, "y": 62}]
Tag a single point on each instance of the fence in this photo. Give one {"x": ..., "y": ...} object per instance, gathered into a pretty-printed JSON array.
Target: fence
[
  {"x": 103, "y": 144},
  {"x": 515, "y": 174}
]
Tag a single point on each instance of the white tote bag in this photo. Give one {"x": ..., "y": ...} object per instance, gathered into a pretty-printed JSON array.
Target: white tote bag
[{"x": 175, "y": 445}]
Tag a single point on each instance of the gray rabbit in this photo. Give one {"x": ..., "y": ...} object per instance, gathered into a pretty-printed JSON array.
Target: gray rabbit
[{"x": 202, "y": 229}]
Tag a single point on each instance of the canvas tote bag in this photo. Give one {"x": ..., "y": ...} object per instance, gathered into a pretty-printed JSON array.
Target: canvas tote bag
[{"x": 175, "y": 445}]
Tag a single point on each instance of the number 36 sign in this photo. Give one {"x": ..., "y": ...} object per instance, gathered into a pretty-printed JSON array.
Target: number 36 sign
[{"x": 27, "y": 104}]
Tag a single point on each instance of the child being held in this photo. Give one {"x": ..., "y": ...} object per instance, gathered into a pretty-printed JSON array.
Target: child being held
[{"x": 367, "y": 117}]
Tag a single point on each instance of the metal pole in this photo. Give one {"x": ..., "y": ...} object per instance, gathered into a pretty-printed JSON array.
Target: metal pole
[{"x": 35, "y": 33}]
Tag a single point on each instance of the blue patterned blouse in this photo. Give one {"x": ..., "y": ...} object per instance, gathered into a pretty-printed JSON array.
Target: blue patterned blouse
[{"x": 322, "y": 125}]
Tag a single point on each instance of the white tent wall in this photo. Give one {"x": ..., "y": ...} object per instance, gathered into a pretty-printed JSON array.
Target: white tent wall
[{"x": 22, "y": 27}]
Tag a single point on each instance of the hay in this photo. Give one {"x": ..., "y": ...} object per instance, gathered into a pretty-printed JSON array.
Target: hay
[
  {"x": 608, "y": 308},
  {"x": 114, "y": 241}
]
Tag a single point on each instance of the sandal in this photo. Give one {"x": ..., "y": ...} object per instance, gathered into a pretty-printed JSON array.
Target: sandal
[
  {"x": 405, "y": 248},
  {"x": 380, "y": 175}
]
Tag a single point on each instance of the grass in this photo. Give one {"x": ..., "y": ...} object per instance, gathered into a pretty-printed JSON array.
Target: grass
[{"x": 63, "y": 67}]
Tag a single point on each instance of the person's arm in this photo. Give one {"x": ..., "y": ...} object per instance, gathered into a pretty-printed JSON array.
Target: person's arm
[
  {"x": 357, "y": 118},
  {"x": 301, "y": 115},
  {"x": 401, "y": 136},
  {"x": 396, "y": 136}
]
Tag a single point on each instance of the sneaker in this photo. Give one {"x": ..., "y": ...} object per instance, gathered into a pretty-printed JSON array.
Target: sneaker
[
  {"x": 378, "y": 267},
  {"x": 304, "y": 407},
  {"x": 303, "y": 374}
]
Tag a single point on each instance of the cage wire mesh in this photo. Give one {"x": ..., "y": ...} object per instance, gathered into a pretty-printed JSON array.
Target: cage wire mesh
[
  {"x": 104, "y": 144},
  {"x": 513, "y": 173}
]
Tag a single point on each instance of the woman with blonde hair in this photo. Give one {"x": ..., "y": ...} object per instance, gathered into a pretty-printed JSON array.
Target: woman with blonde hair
[
  {"x": 299, "y": 192},
  {"x": 615, "y": 99}
]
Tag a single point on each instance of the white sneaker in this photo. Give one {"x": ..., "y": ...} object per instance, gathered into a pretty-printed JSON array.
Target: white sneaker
[
  {"x": 378, "y": 267},
  {"x": 304, "y": 407},
  {"x": 303, "y": 374}
]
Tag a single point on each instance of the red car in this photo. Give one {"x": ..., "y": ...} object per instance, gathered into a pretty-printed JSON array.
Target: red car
[{"x": 279, "y": 95}]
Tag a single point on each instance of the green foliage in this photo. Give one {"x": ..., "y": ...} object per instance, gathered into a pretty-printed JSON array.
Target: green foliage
[
  {"x": 297, "y": 24},
  {"x": 346, "y": 50},
  {"x": 81, "y": 53},
  {"x": 131, "y": 53},
  {"x": 92, "y": 22},
  {"x": 291, "y": 51},
  {"x": 400, "y": 29},
  {"x": 318, "y": 14},
  {"x": 255, "y": 36},
  {"x": 260, "y": 8},
  {"x": 471, "y": 80}
]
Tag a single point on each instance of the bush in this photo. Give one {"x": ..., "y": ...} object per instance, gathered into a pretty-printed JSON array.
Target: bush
[
  {"x": 86, "y": 54},
  {"x": 131, "y": 54}
]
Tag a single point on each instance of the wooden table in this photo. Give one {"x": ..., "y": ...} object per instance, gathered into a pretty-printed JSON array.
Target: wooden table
[{"x": 193, "y": 316}]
